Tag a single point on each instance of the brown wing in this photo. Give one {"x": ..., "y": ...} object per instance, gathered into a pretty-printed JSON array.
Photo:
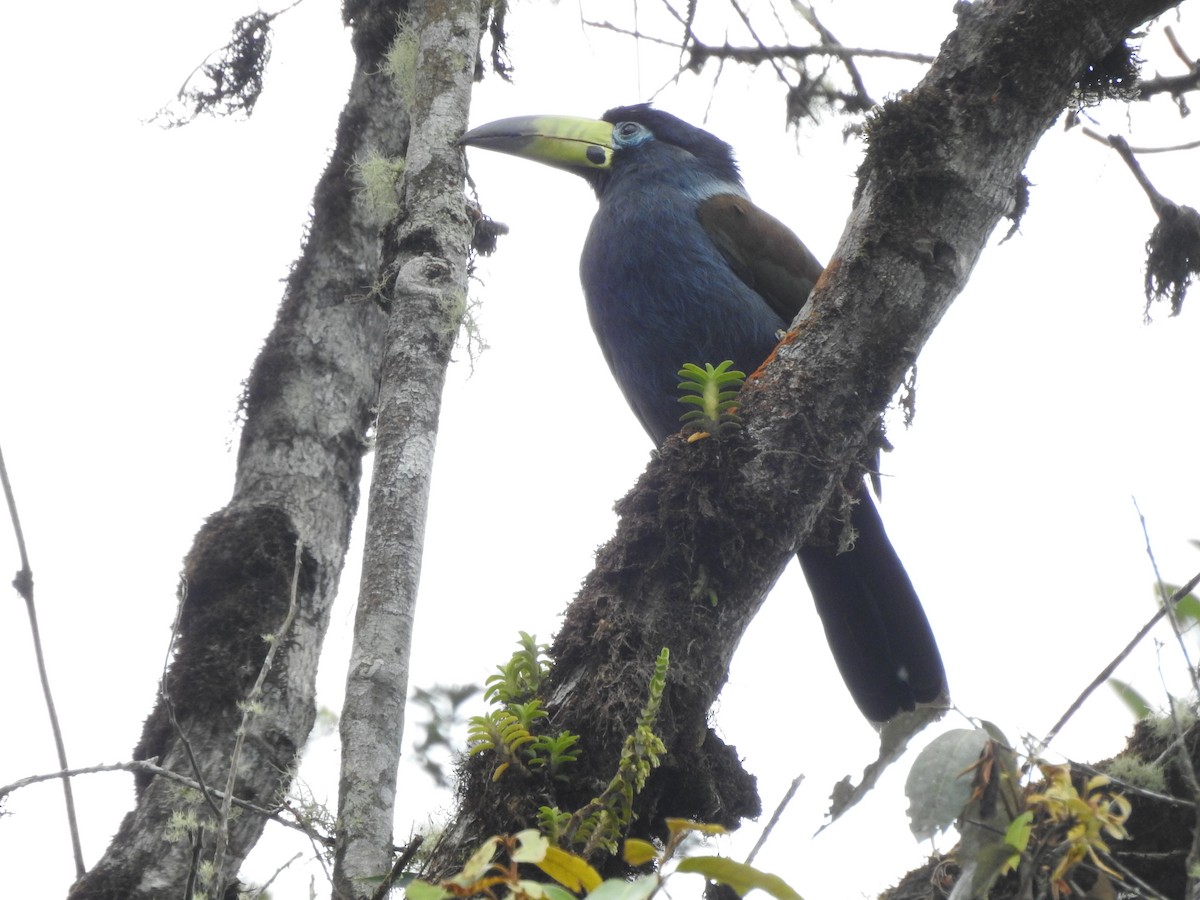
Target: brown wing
[{"x": 762, "y": 251}]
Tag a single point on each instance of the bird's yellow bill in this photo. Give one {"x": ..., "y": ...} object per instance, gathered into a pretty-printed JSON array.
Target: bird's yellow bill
[{"x": 566, "y": 142}]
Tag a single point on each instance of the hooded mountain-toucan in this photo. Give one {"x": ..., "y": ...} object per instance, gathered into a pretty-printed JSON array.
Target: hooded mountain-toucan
[{"x": 679, "y": 266}]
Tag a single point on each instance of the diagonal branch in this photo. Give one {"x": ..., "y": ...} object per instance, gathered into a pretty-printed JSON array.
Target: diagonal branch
[{"x": 721, "y": 519}]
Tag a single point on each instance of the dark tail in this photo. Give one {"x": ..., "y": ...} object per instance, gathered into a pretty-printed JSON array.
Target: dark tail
[{"x": 873, "y": 620}]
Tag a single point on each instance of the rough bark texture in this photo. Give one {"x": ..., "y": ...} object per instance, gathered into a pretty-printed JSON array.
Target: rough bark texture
[
  {"x": 721, "y": 519},
  {"x": 308, "y": 404},
  {"x": 428, "y": 254}
]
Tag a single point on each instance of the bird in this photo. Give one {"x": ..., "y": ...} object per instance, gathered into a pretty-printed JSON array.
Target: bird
[{"x": 680, "y": 266}]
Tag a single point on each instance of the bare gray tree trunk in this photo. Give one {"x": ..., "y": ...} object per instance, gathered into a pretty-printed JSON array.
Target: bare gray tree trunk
[
  {"x": 428, "y": 258},
  {"x": 722, "y": 518},
  {"x": 308, "y": 404}
]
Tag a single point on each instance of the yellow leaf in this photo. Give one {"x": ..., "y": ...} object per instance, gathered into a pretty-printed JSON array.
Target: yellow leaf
[
  {"x": 680, "y": 825},
  {"x": 638, "y": 852},
  {"x": 569, "y": 870}
]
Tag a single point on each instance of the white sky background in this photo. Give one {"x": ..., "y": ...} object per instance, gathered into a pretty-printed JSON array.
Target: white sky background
[{"x": 141, "y": 273}]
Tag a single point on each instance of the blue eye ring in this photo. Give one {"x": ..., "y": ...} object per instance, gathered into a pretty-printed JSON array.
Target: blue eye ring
[{"x": 629, "y": 134}]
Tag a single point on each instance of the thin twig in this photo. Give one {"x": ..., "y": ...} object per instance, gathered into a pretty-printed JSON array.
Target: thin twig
[
  {"x": 1188, "y": 773},
  {"x": 1186, "y": 769},
  {"x": 701, "y": 51},
  {"x": 261, "y": 891},
  {"x": 1169, "y": 32},
  {"x": 1144, "y": 891},
  {"x": 609, "y": 26},
  {"x": 1168, "y": 607},
  {"x": 405, "y": 857},
  {"x": 775, "y": 816},
  {"x": 810, "y": 16},
  {"x": 23, "y": 582},
  {"x": 267, "y": 19},
  {"x": 152, "y": 768},
  {"x": 744, "y": 16},
  {"x": 163, "y": 692},
  {"x": 1118, "y": 143},
  {"x": 760, "y": 54},
  {"x": 248, "y": 712},
  {"x": 1117, "y": 660},
  {"x": 1175, "y": 85},
  {"x": 1174, "y": 148},
  {"x": 314, "y": 838},
  {"x": 1170, "y": 149},
  {"x": 1128, "y": 787}
]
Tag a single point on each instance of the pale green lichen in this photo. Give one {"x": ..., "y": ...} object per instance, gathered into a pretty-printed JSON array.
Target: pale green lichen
[
  {"x": 400, "y": 63},
  {"x": 1129, "y": 770},
  {"x": 1167, "y": 727},
  {"x": 378, "y": 179}
]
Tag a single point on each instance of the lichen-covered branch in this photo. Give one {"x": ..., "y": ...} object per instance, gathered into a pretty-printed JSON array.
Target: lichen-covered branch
[
  {"x": 308, "y": 404},
  {"x": 710, "y": 525},
  {"x": 426, "y": 258}
]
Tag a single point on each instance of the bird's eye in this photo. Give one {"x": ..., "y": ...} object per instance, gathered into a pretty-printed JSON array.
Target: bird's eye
[{"x": 629, "y": 134}]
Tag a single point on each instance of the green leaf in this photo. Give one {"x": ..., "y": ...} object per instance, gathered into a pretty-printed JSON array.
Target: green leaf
[
  {"x": 939, "y": 783},
  {"x": 1188, "y": 609},
  {"x": 538, "y": 890},
  {"x": 1019, "y": 831},
  {"x": 617, "y": 889},
  {"x": 423, "y": 890},
  {"x": 739, "y": 876},
  {"x": 1138, "y": 705},
  {"x": 1016, "y": 840},
  {"x": 991, "y": 862}
]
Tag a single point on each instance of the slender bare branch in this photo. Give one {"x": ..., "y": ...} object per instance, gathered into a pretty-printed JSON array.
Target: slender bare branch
[
  {"x": 1107, "y": 671},
  {"x": 1174, "y": 148},
  {"x": 23, "y": 582},
  {"x": 1175, "y": 85},
  {"x": 150, "y": 767},
  {"x": 1167, "y": 605},
  {"x": 755, "y": 55},
  {"x": 700, "y": 51},
  {"x": 775, "y": 817},
  {"x": 810, "y": 16}
]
